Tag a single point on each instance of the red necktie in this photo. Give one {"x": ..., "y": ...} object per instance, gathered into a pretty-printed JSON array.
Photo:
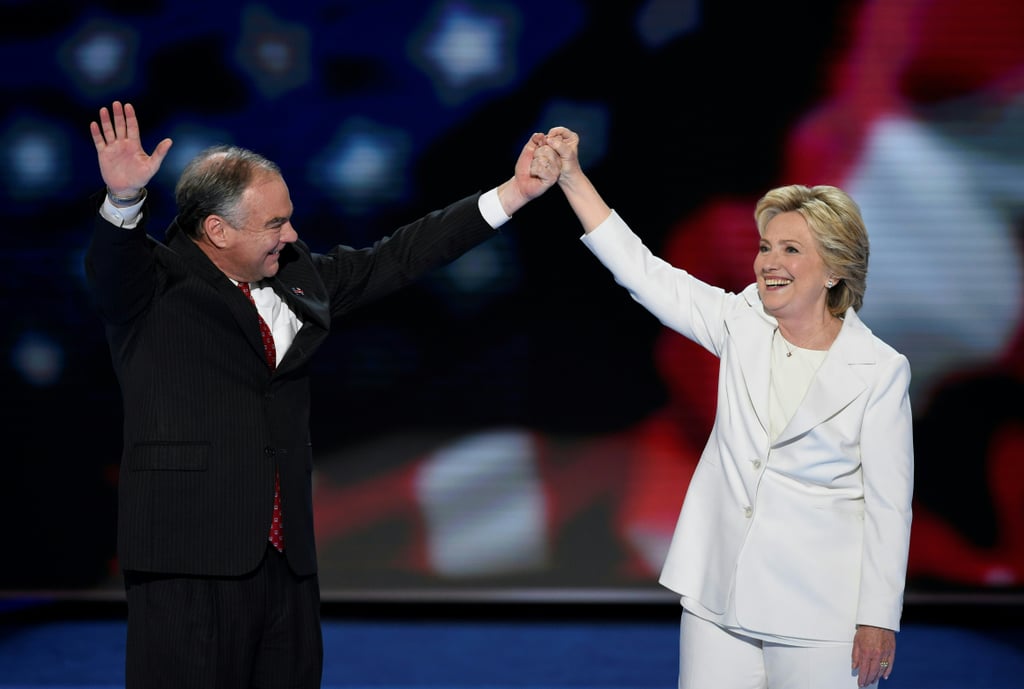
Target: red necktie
[
  {"x": 268, "y": 338},
  {"x": 276, "y": 534}
]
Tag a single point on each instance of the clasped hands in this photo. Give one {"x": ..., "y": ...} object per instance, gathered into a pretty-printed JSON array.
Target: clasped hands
[{"x": 557, "y": 159}]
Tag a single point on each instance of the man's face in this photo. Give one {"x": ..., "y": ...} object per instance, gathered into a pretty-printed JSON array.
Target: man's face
[{"x": 252, "y": 250}]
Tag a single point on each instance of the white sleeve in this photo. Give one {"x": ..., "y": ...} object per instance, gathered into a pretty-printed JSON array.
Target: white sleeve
[
  {"x": 490, "y": 208},
  {"x": 126, "y": 217}
]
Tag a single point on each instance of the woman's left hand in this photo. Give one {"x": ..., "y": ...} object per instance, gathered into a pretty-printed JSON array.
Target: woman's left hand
[{"x": 874, "y": 653}]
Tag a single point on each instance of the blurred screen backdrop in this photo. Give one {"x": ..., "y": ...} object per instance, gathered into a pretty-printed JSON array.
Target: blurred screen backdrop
[{"x": 513, "y": 424}]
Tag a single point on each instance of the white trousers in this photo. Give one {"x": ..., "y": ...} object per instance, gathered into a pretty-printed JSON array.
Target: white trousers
[{"x": 711, "y": 657}]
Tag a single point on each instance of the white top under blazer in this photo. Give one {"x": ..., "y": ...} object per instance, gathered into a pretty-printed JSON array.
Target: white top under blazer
[{"x": 805, "y": 535}]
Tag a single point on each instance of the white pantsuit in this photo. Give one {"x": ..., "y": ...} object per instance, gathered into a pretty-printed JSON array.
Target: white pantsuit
[{"x": 801, "y": 537}]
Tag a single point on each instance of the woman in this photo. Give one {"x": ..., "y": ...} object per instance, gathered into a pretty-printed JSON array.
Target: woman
[{"x": 790, "y": 552}]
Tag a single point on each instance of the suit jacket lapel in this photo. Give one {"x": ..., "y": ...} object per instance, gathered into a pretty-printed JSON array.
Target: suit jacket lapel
[
  {"x": 297, "y": 283},
  {"x": 305, "y": 299},
  {"x": 301, "y": 287},
  {"x": 236, "y": 302}
]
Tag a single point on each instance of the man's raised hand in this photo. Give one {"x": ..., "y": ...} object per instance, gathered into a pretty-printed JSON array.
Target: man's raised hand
[{"x": 125, "y": 166}]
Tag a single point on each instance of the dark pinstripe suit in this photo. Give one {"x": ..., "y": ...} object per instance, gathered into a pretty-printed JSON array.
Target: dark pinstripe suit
[{"x": 206, "y": 422}]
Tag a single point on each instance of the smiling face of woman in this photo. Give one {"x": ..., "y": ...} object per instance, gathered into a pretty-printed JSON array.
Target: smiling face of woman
[{"x": 791, "y": 274}]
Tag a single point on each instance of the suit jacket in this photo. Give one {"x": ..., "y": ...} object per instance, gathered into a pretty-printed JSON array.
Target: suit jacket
[
  {"x": 809, "y": 534},
  {"x": 206, "y": 423}
]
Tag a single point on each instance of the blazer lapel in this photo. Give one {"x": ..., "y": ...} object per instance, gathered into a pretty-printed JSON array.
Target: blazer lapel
[
  {"x": 836, "y": 384},
  {"x": 747, "y": 332}
]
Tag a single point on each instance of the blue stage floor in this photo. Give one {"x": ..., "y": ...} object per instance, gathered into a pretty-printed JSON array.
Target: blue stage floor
[{"x": 500, "y": 652}]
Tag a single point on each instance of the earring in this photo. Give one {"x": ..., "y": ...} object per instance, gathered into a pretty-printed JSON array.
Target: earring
[{"x": 829, "y": 284}]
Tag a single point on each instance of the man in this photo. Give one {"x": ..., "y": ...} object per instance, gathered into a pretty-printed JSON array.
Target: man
[{"x": 211, "y": 334}]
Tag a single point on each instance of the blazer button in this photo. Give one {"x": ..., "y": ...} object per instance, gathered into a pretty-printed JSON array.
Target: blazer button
[
  {"x": 757, "y": 464},
  {"x": 748, "y": 511},
  {"x": 268, "y": 451}
]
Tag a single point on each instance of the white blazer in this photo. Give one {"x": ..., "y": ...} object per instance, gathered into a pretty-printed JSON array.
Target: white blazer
[{"x": 811, "y": 533}]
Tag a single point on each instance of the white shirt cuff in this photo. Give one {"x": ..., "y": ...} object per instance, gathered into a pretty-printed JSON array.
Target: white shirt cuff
[
  {"x": 490, "y": 208},
  {"x": 127, "y": 217}
]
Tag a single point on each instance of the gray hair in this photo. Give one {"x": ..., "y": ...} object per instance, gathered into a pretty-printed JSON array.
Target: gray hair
[{"x": 213, "y": 184}]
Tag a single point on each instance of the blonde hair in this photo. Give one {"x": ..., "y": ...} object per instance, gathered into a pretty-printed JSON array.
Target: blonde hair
[{"x": 836, "y": 223}]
